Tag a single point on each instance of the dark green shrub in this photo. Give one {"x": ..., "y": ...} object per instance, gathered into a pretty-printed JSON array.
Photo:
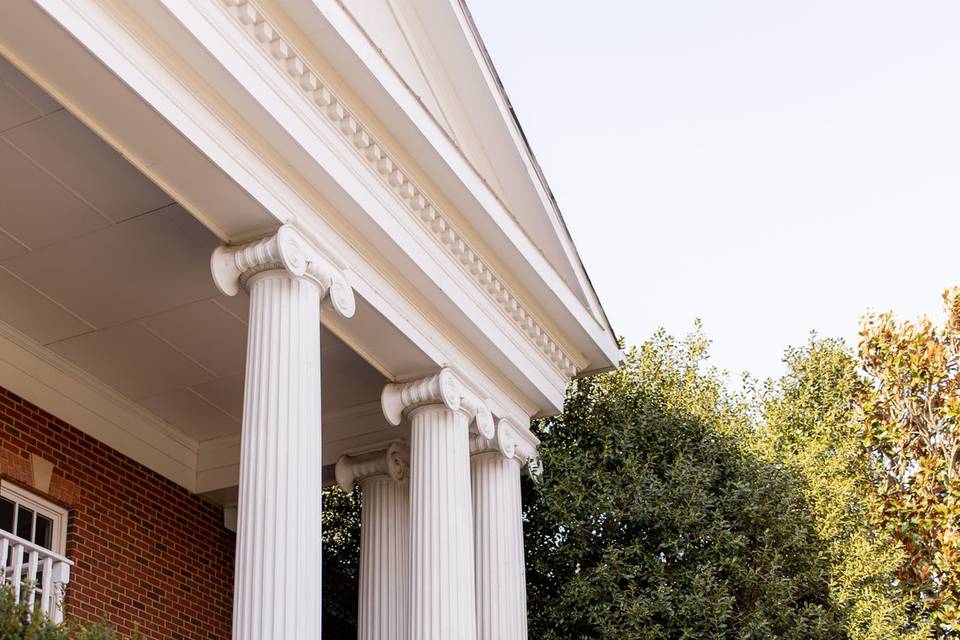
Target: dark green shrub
[{"x": 16, "y": 623}]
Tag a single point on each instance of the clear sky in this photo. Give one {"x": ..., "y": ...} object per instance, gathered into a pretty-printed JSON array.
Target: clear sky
[{"x": 769, "y": 167}]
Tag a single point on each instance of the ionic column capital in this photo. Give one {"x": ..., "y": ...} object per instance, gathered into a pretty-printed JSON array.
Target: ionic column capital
[
  {"x": 394, "y": 461},
  {"x": 287, "y": 249},
  {"x": 443, "y": 388},
  {"x": 509, "y": 441}
]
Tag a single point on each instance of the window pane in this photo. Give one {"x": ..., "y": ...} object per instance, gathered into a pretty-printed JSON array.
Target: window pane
[
  {"x": 25, "y": 523},
  {"x": 6, "y": 515},
  {"x": 43, "y": 535}
]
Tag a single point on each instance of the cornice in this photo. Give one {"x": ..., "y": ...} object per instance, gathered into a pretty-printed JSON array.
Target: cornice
[{"x": 331, "y": 107}]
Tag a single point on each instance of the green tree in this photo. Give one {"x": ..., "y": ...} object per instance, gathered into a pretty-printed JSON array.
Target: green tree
[
  {"x": 341, "y": 563},
  {"x": 672, "y": 508},
  {"x": 657, "y": 517},
  {"x": 17, "y": 622},
  {"x": 911, "y": 426},
  {"x": 810, "y": 428}
]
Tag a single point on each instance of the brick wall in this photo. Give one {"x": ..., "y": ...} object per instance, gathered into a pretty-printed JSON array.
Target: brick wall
[{"x": 147, "y": 553}]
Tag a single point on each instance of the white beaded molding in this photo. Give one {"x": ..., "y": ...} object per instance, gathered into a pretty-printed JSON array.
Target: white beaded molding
[
  {"x": 333, "y": 108},
  {"x": 510, "y": 442},
  {"x": 233, "y": 266},
  {"x": 443, "y": 388},
  {"x": 394, "y": 461}
]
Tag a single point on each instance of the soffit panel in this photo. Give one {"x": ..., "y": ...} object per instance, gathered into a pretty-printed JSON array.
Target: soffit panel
[
  {"x": 9, "y": 246},
  {"x": 213, "y": 336},
  {"x": 192, "y": 413},
  {"x": 132, "y": 360},
  {"x": 123, "y": 116},
  {"x": 137, "y": 268},
  {"x": 29, "y": 311},
  {"x": 225, "y": 393},
  {"x": 14, "y": 109},
  {"x": 115, "y": 278},
  {"x": 20, "y": 99},
  {"x": 37, "y": 210},
  {"x": 103, "y": 179}
]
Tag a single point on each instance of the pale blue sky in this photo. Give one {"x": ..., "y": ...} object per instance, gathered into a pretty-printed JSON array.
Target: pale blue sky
[{"x": 771, "y": 167}]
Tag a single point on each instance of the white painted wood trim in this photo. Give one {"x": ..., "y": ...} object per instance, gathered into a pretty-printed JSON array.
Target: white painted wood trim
[
  {"x": 59, "y": 387},
  {"x": 44, "y": 507},
  {"x": 326, "y": 145},
  {"x": 331, "y": 18}
]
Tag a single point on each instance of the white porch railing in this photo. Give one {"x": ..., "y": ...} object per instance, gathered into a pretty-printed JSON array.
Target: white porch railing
[{"x": 36, "y": 575}]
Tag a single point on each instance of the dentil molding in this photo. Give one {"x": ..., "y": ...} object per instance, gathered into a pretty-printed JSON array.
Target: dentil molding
[
  {"x": 333, "y": 108},
  {"x": 394, "y": 461},
  {"x": 443, "y": 388},
  {"x": 233, "y": 266}
]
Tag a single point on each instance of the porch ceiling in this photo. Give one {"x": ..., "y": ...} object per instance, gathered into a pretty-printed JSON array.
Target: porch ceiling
[{"x": 102, "y": 268}]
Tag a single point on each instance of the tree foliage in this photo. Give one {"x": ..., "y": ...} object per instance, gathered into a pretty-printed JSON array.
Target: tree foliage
[
  {"x": 671, "y": 508},
  {"x": 911, "y": 425},
  {"x": 341, "y": 563},
  {"x": 17, "y": 622},
  {"x": 810, "y": 427},
  {"x": 657, "y": 517}
]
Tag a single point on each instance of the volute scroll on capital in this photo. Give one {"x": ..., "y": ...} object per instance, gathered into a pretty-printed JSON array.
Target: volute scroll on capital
[
  {"x": 394, "y": 461},
  {"x": 443, "y": 388},
  {"x": 508, "y": 442},
  {"x": 233, "y": 266}
]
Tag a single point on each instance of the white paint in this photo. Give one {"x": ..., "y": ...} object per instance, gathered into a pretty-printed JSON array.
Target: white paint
[
  {"x": 383, "y": 612},
  {"x": 26, "y": 560},
  {"x": 57, "y": 514},
  {"x": 495, "y": 467},
  {"x": 336, "y": 33},
  {"x": 442, "y": 588},
  {"x": 277, "y": 577}
]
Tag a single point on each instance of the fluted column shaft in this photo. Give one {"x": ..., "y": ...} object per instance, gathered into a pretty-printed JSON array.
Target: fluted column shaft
[
  {"x": 277, "y": 580},
  {"x": 442, "y": 586},
  {"x": 384, "y": 559},
  {"x": 498, "y": 529}
]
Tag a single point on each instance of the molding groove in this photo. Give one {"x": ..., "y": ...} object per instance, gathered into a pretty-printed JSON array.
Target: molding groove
[{"x": 269, "y": 39}]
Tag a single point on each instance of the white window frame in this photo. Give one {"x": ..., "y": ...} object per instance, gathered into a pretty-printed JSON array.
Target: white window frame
[{"x": 56, "y": 513}]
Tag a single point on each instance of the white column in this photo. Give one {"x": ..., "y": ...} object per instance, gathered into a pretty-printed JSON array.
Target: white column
[
  {"x": 384, "y": 605},
  {"x": 442, "y": 589},
  {"x": 277, "y": 570},
  {"x": 495, "y": 467}
]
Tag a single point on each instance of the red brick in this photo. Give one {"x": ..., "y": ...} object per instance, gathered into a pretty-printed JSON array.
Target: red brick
[{"x": 148, "y": 554}]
